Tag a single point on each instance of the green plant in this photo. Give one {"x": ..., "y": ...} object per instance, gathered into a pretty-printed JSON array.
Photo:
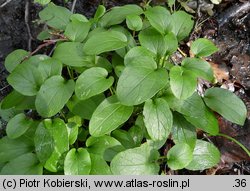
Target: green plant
[
  {"x": 45, "y": 2},
  {"x": 111, "y": 94}
]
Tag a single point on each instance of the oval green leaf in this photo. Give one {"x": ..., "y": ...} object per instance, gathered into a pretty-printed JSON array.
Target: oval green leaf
[
  {"x": 171, "y": 43},
  {"x": 44, "y": 143},
  {"x": 76, "y": 106},
  {"x": 77, "y": 162},
  {"x": 18, "y": 101},
  {"x": 14, "y": 58},
  {"x": 195, "y": 112},
  {"x": 78, "y": 17},
  {"x": 159, "y": 18},
  {"x": 134, "y": 22},
  {"x": 36, "y": 59},
  {"x": 124, "y": 138},
  {"x": 200, "y": 67},
  {"x": 72, "y": 128},
  {"x": 153, "y": 41},
  {"x": 91, "y": 82},
  {"x": 183, "y": 131},
  {"x": 53, "y": 95},
  {"x": 156, "y": 144},
  {"x": 181, "y": 24},
  {"x": 130, "y": 40},
  {"x": 136, "y": 161},
  {"x": 182, "y": 82},
  {"x": 58, "y": 130},
  {"x": 55, "y": 16},
  {"x": 99, "y": 166},
  {"x": 158, "y": 119},
  {"x": 100, "y": 12},
  {"x": 104, "y": 42},
  {"x": 44, "y": 35},
  {"x": 8, "y": 114},
  {"x": 50, "y": 67},
  {"x": 118, "y": 14},
  {"x": 18, "y": 125},
  {"x": 203, "y": 47},
  {"x": 77, "y": 31},
  {"x": 12, "y": 148},
  {"x": 26, "y": 164},
  {"x": 226, "y": 104},
  {"x": 108, "y": 116},
  {"x": 141, "y": 57},
  {"x": 105, "y": 146},
  {"x": 26, "y": 79},
  {"x": 137, "y": 134},
  {"x": 179, "y": 156},
  {"x": 71, "y": 54},
  {"x": 98, "y": 145},
  {"x": 137, "y": 84},
  {"x": 205, "y": 156}
]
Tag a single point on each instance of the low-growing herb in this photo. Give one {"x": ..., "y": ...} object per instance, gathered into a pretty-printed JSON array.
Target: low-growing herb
[{"x": 110, "y": 96}]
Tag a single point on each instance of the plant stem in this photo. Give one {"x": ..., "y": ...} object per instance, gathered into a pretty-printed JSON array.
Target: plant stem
[
  {"x": 148, "y": 2},
  {"x": 182, "y": 53},
  {"x": 171, "y": 10},
  {"x": 133, "y": 34},
  {"x": 162, "y": 61},
  {"x": 46, "y": 43},
  {"x": 112, "y": 90},
  {"x": 62, "y": 115},
  {"x": 237, "y": 142},
  {"x": 162, "y": 159},
  {"x": 70, "y": 73}
]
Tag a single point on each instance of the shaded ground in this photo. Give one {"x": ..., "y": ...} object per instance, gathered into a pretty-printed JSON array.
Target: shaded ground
[
  {"x": 234, "y": 42},
  {"x": 229, "y": 28}
]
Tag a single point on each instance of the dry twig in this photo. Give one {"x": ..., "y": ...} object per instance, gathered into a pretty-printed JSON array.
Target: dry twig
[
  {"x": 73, "y": 6},
  {"x": 4, "y": 88},
  {"x": 46, "y": 43},
  {"x": 5, "y": 3},
  {"x": 26, "y": 18}
]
